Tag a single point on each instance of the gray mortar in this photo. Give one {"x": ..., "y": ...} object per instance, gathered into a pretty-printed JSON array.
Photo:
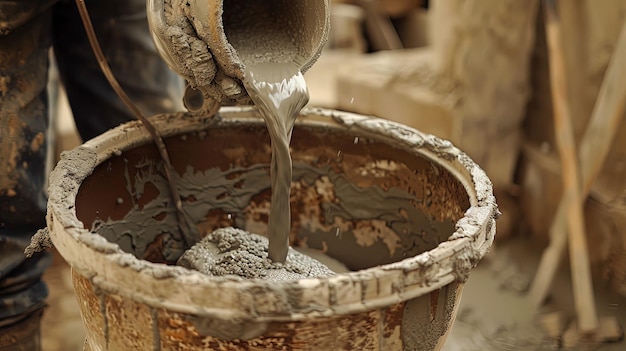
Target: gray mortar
[
  {"x": 39, "y": 243},
  {"x": 279, "y": 91},
  {"x": 140, "y": 228},
  {"x": 74, "y": 167},
  {"x": 234, "y": 252}
]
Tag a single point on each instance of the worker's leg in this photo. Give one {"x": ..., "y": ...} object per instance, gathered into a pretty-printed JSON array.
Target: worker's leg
[
  {"x": 24, "y": 44},
  {"x": 122, "y": 30}
]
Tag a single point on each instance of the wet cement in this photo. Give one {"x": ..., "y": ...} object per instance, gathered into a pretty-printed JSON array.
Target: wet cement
[
  {"x": 271, "y": 77},
  {"x": 279, "y": 91},
  {"x": 235, "y": 252},
  {"x": 407, "y": 230}
]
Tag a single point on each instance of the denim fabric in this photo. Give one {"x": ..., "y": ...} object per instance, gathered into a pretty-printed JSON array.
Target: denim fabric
[
  {"x": 28, "y": 28},
  {"x": 122, "y": 30}
]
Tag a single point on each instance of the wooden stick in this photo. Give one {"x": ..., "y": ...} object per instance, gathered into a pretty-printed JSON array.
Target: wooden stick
[
  {"x": 579, "y": 256},
  {"x": 594, "y": 147},
  {"x": 383, "y": 35},
  {"x": 607, "y": 113}
]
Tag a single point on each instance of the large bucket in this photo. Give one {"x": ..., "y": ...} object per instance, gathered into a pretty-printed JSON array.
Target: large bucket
[{"x": 409, "y": 214}]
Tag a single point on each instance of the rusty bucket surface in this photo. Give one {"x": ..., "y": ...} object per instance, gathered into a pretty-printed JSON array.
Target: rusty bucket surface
[{"x": 409, "y": 214}]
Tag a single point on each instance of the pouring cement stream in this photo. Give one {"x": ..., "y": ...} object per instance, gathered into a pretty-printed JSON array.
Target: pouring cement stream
[
  {"x": 263, "y": 46},
  {"x": 279, "y": 91}
]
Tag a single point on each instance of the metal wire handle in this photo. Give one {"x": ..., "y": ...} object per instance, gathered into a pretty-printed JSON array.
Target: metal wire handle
[{"x": 188, "y": 231}]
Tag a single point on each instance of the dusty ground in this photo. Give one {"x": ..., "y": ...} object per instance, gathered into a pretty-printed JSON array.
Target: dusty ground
[
  {"x": 494, "y": 314},
  {"x": 62, "y": 328}
]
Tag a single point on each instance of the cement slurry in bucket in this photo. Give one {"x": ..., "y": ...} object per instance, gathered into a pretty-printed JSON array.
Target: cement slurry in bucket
[
  {"x": 439, "y": 222},
  {"x": 280, "y": 92},
  {"x": 235, "y": 252}
]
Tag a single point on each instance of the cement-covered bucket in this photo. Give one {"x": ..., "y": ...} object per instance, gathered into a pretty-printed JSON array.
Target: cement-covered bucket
[{"x": 408, "y": 213}]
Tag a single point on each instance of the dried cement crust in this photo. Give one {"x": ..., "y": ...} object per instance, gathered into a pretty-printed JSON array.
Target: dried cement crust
[{"x": 258, "y": 302}]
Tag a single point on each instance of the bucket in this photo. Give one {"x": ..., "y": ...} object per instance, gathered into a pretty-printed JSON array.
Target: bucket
[
  {"x": 234, "y": 34},
  {"x": 409, "y": 214}
]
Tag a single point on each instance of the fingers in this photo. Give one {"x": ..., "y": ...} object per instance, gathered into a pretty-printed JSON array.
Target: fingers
[{"x": 190, "y": 56}]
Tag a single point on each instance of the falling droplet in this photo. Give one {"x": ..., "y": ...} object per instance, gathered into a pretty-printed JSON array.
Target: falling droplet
[
  {"x": 339, "y": 156},
  {"x": 338, "y": 233},
  {"x": 352, "y": 100},
  {"x": 229, "y": 216},
  {"x": 356, "y": 140}
]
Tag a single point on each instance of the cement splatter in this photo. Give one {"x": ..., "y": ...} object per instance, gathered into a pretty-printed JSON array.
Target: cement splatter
[
  {"x": 407, "y": 230},
  {"x": 39, "y": 243}
]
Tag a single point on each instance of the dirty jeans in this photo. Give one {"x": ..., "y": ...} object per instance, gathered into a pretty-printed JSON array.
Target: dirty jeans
[{"x": 28, "y": 28}]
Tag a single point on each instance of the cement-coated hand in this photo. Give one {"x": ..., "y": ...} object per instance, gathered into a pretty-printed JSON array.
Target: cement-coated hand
[{"x": 173, "y": 30}]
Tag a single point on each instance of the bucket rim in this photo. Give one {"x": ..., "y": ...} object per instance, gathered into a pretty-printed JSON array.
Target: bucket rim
[{"x": 185, "y": 291}]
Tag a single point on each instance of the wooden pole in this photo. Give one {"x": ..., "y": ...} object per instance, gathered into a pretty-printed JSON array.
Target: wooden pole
[
  {"x": 383, "y": 35},
  {"x": 579, "y": 256},
  {"x": 594, "y": 148}
]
